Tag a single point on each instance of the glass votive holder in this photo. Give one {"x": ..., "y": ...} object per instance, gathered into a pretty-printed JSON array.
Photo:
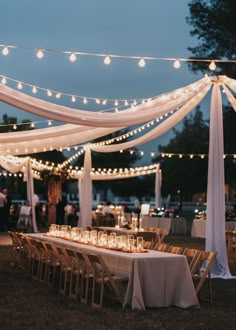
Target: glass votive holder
[
  {"x": 131, "y": 245},
  {"x": 139, "y": 244},
  {"x": 93, "y": 236},
  {"x": 123, "y": 241},
  {"x": 103, "y": 239}
]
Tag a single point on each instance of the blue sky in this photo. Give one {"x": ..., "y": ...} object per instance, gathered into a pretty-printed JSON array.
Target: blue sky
[{"x": 127, "y": 27}]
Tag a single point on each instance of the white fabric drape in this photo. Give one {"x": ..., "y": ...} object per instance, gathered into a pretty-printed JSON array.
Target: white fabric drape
[
  {"x": 30, "y": 192},
  {"x": 85, "y": 193},
  {"x": 215, "y": 223},
  {"x": 158, "y": 187},
  {"x": 160, "y": 129},
  {"x": 132, "y": 116}
]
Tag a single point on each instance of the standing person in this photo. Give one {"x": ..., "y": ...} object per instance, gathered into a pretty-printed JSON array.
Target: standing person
[
  {"x": 6, "y": 208},
  {"x": 60, "y": 211},
  {"x": 3, "y": 201}
]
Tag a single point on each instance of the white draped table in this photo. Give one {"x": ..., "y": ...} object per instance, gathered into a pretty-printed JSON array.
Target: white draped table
[
  {"x": 177, "y": 226},
  {"x": 199, "y": 227},
  {"x": 156, "y": 279}
]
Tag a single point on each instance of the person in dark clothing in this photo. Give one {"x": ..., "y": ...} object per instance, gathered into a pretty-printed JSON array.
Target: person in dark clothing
[
  {"x": 60, "y": 211},
  {"x": 6, "y": 209}
]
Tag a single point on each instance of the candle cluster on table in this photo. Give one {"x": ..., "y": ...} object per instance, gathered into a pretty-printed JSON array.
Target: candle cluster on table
[
  {"x": 136, "y": 223},
  {"x": 126, "y": 243}
]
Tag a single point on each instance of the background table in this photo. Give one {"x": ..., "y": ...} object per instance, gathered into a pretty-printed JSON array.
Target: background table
[
  {"x": 175, "y": 226},
  {"x": 199, "y": 227},
  {"x": 156, "y": 279}
]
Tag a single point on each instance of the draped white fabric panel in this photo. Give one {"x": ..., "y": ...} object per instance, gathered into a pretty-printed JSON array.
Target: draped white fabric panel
[
  {"x": 158, "y": 187},
  {"x": 215, "y": 223},
  {"x": 131, "y": 116},
  {"x": 86, "y": 192},
  {"x": 160, "y": 129}
]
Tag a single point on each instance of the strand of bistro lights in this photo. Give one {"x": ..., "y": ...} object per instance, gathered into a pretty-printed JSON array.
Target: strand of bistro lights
[
  {"x": 32, "y": 124},
  {"x": 118, "y": 103},
  {"x": 107, "y": 58}
]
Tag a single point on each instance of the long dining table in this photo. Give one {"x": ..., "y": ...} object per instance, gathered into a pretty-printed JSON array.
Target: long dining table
[{"x": 156, "y": 279}]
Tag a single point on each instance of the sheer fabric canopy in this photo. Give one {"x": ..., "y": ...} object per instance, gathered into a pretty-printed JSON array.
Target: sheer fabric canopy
[{"x": 82, "y": 126}]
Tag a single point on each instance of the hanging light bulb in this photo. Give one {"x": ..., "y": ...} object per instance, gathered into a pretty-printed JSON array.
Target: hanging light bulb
[
  {"x": 85, "y": 101},
  {"x": 135, "y": 102},
  {"x": 212, "y": 66},
  {"x": 97, "y": 101},
  {"x": 142, "y": 62},
  {"x": 14, "y": 126},
  {"x": 4, "y": 80},
  {"x": 72, "y": 57},
  {"x": 176, "y": 64},
  {"x": 19, "y": 85},
  {"x": 49, "y": 123},
  {"x": 5, "y": 51},
  {"x": 32, "y": 125},
  {"x": 49, "y": 93},
  {"x": 126, "y": 103},
  {"x": 104, "y": 102},
  {"x": 116, "y": 103},
  {"x": 34, "y": 90},
  {"x": 107, "y": 60},
  {"x": 40, "y": 53},
  {"x": 58, "y": 95},
  {"x": 73, "y": 99}
]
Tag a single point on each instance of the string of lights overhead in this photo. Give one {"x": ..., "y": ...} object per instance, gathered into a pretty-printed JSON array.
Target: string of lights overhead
[{"x": 107, "y": 58}]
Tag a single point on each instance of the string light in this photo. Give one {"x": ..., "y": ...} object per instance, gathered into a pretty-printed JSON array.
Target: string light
[
  {"x": 40, "y": 54},
  {"x": 212, "y": 66},
  {"x": 4, "y": 81},
  {"x": 19, "y": 86},
  {"x": 72, "y": 57},
  {"x": 141, "y": 62},
  {"x": 5, "y": 51},
  {"x": 176, "y": 64},
  {"x": 34, "y": 90},
  {"x": 107, "y": 60}
]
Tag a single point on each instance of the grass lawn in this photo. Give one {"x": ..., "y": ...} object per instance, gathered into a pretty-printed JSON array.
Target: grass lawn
[{"x": 29, "y": 304}]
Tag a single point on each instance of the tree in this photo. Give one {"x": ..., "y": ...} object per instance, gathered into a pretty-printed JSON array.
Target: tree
[
  {"x": 214, "y": 24},
  {"x": 186, "y": 174}
]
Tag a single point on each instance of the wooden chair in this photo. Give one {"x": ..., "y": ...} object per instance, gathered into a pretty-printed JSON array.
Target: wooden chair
[
  {"x": 202, "y": 272},
  {"x": 231, "y": 245},
  {"x": 161, "y": 247},
  {"x": 66, "y": 264},
  {"x": 192, "y": 256},
  {"x": 175, "y": 249},
  {"x": 53, "y": 266},
  {"x": 17, "y": 248},
  {"x": 102, "y": 277}
]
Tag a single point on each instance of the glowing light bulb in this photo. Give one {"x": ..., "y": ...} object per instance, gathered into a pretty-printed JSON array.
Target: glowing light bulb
[
  {"x": 126, "y": 103},
  {"x": 4, "y": 81},
  {"x": 104, "y": 102},
  {"x": 40, "y": 54},
  {"x": 34, "y": 90},
  {"x": 14, "y": 126},
  {"x": 32, "y": 125},
  {"x": 176, "y": 64},
  {"x": 73, "y": 99},
  {"x": 49, "y": 93},
  {"x": 85, "y": 101},
  {"x": 72, "y": 57},
  {"x": 142, "y": 63},
  {"x": 58, "y": 95},
  {"x": 107, "y": 60},
  {"x": 19, "y": 86},
  {"x": 5, "y": 51},
  {"x": 116, "y": 103},
  {"x": 97, "y": 101},
  {"x": 212, "y": 66},
  {"x": 135, "y": 102},
  {"x": 49, "y": 123}
]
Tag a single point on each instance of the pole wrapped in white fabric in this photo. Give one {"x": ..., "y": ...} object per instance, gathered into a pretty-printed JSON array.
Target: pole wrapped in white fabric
[
  {"x": 215, "y": 223},
  {"x": 158, "y": 187},
  {"x": 85, "y": 192}
]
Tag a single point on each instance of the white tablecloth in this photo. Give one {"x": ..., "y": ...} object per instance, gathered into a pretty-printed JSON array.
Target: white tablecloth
[
  {"x": 199, "y": 227},
  {"x": 156, "y": 279},
  {"x": 177, "y": 226}
]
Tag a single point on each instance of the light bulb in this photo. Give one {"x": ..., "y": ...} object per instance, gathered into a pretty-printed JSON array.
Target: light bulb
[
  {"x": 97, "y": 101},
  {"x": 73, "y": 99},
  {"x": 72, "y": 57},
  {"x": 85, "y": 101},
  {"x": 58, "y": 95},
  {"x": 4, "y": 81},
  {"x": 142, "y": 63},
  {"x": 5, "y": 51},
  {"x": 49, "y": 123},
  {"x": 104, "y": 102},
  {"x": 49, "y": 93},
  {"x": 19, "y": 86},
  {"x": 32, "y": 125},
  {"x": 40, "y": 53},
  {"x": 14, "y": 126},
  {"x": 126, "y": 103},
  {"x": 116, "y": 103},
  {"x": 34, "y": 90},
  {"x": 107, "y": 60},
  {"x": 212, "y": 66},
  {"x": 176, "y": 64}
]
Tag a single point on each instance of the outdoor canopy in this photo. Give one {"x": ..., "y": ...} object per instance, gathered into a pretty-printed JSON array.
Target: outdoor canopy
[{"x": 82, "y": 126}]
